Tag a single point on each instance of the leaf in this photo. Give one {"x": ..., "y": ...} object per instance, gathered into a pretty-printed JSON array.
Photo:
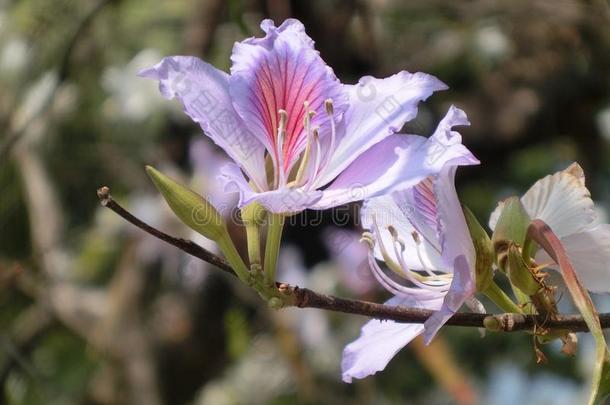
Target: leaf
[{"x": 548, "y": 240}]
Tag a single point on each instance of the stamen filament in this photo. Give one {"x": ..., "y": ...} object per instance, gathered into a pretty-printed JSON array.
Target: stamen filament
[
  {"x": 281, "y": 134},
  {"x": 392, "y": 265},
  {"x": 306, "y": 155},
  {"x": 316, "y": 165},
  {"x": 417, "y": 241},
  {"x": 328, "y": 104}
]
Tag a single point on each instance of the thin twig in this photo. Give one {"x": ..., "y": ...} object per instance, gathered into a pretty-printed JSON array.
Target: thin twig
[
  {"x": 306, "y": 298},
  {"x": 185, "y": 245}
]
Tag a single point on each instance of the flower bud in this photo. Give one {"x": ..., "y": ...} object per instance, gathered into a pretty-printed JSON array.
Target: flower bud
[
  {"x": 519, "y": 272},
  {"x": 511, "y": 227},
  {"x": 484, "y": 251},
  {"x": 192, "y": 209}
]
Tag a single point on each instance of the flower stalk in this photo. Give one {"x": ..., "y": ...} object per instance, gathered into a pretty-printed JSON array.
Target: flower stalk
[
  {"x": 275, "y": 226},
  {"x": 253, "y": 216}
]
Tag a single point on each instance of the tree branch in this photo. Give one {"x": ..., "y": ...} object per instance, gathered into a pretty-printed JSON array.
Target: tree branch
[{"x": 305, "y": 298}]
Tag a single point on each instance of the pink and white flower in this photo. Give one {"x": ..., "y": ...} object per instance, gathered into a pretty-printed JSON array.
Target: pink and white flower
[{"x": 298, "y": 137}]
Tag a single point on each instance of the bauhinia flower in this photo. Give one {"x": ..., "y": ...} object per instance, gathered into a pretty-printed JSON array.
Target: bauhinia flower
[
  {"x": 298, "y": 137},
  {"x": 563, "y": 201},
  {"x": 423, "y": 238}
]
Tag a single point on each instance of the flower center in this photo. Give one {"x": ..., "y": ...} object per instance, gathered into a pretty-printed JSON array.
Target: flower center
[
  {"x": 424, "y": 278},
  {"x": 315, "y": 157}
]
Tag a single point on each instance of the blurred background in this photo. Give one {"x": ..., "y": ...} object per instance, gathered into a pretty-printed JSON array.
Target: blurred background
[{"x": 93, "y": 311}]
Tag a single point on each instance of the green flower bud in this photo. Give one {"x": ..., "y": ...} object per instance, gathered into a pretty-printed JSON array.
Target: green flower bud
[
  {"x": 519, "y": 272},
  {"x": 484, "y": 250},
  {"x": 511, "y": 227},
  {"x": 192, "y": 209}
]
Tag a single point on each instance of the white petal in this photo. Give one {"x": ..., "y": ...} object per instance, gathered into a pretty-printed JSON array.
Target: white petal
[
  {"x": 377, "y": 109},
  {"x": 561, "y": 200},
  {"x": 380, "y": 341},
  {"x": 589, "y": 252}
]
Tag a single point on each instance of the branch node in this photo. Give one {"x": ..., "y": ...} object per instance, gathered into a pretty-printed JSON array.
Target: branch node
[{"x": 103, "y": 193}]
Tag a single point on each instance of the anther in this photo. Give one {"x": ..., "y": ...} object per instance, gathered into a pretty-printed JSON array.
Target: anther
[
  {"x": 328, "y": 104},
  {"x": 416, "y": 237}
]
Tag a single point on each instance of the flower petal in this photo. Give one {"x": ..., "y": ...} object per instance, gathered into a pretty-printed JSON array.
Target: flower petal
[
  {"x": 457, "y": 250},
  {"x": 282, "y": 71},
  {"x": 561, "y": 200},
  {"x": 589, "y": 252},
  {"x": 285, "y": 200},
  {"x": 379, "y": 342},
  {"x": 203, "y": 90},
  {"x": 418, "y": 204},
  {"x": 455, "y": 236},
  {"x": 377, "y": 108},
  {"x": 399, "y": 162},
  {"x": 462, "y": 288}
]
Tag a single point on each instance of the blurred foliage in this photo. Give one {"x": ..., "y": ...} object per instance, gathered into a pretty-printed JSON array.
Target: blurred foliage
[{"x": 532, "y": 76}]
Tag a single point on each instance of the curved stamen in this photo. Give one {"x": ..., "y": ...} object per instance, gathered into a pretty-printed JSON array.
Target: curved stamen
[
  {"x": 316, "y": 165},
  {"x": 431, "y": 283},
  {"x": 281, "y": 134},
  {"x": 394, "y": 287},
  {"x": 330, "y": 111},
  {"x": 392, "y": 265},
  {"x": 417, "y": 241},
  {"x": 307, "y": 154}
]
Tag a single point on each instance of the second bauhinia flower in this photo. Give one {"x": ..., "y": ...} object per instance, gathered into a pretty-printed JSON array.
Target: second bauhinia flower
[
  {"x": 422, "y": 236},
  {"x": 564, "y": 203},
  {"x": 298, "y": 137}
]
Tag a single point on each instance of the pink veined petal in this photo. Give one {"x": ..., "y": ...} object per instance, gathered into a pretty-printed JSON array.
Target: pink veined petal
[
  {"x": 400, "y": 162},
  {"x": 284, "y": 200},
  {"x": 462, "y": 288},
  {"x": 418, "y": 204},
  {"x": 379, "y": 342},
  {"x": 589, "y": 252},
  {"x": 282, "y": 71},
  {"x": 203, "y": 90},
  {"x": 377, "y": 108}
]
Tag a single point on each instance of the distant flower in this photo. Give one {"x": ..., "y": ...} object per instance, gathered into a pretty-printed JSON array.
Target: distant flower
[
  {"x": 128, "y": 98},
  {"x": 422, "y": 236},
  {"x": 298, "y": 137},
  {"x": 351, "y": 258},
  {"x": 563, "y": 201}
]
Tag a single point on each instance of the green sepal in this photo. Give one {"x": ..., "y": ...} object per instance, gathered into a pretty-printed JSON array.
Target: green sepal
[
  {"x": 511, "y": 227},
  {"x": 192, "y": 209},
  {"x": 485, "y": 254},
  {"x": 519, "y": 272}
]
